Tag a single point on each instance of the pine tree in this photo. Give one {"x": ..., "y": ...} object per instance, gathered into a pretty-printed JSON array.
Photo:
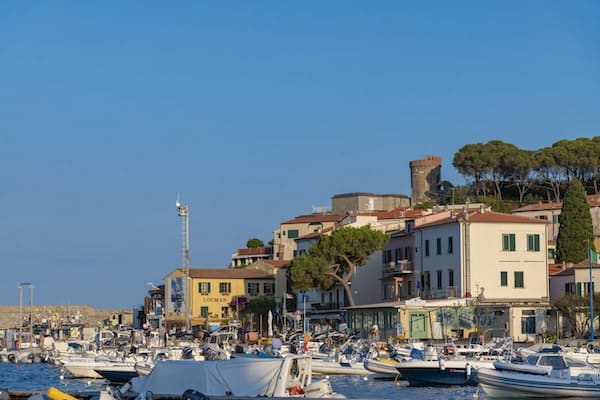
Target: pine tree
[{"x": 576, "y": 229}]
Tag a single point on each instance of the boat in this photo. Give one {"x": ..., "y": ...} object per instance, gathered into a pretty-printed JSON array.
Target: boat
[
  {"x": 442, "y": 372},
  {"x": 117, "y": 372},
  {"x": 290, "y": 376},
  {"x": 549, "y": 375},
  {"x": 382, "y": 368},
  {"x": 447, "y": 369},
  {"x": 339, "y": 367}
]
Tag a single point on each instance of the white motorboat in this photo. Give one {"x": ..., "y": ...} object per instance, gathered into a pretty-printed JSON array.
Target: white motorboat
[
  {"x": 339, "y": 367},
  {"x": 290, "y": 376},
  {"x": 382, "y": 368},
  {"x": 441, "y": 372},
  {"x": 542, "y": 375}
]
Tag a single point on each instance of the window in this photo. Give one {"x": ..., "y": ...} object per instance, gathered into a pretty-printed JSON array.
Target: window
[
  {"x": 438, "y": 246},
  {"x": 508, "y": 242},
  {"x": 450, "y": 245},
  {"x": 409, "y": 288},
  {"x": 224, "y": 287},
  {"x": 555, "y": 219},
  {"x": 450, "y": 277},
  {"x": 253, "y": 288},
  {"x": 427, "y": 247},
  {"x": 503, "y": 278},
  {"x": 439, "y": 279},
  {"x": 533, "y": 242},
  {"x": 528, "y": 322},
  {"x": 224, "y": 312},
  {"x": 204, "y": 287},
  {"x": 292, "y": 233},
  {"x": 204, "y": 311},
  {"x": 427, "y": 280},
  {"x": 570, "y": 288},
  {"x": 519, "y": 280},
  {"x": 268, "y": 288}
]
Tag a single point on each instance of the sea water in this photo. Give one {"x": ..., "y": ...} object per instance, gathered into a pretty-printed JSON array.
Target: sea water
[{"x": 39, "y": 377}]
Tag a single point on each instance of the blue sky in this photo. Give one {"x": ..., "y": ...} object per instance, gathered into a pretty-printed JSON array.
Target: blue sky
[{"x": 254, "y": 112}]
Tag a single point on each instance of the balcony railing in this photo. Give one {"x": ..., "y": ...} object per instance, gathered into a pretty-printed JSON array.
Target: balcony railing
[
  {"x": 398, "y": 267},
  {"x": 448, "y": 292}
]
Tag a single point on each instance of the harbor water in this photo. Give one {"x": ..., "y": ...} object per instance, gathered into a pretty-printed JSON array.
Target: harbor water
[{"x": 39, "y": 377}]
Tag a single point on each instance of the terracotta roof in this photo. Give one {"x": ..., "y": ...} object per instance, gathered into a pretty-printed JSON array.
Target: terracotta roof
[
  {"x": 305, "y": 219},
  {"x": 592, "y": 199},
  {"x": 396, "y": 213},
  {"x": 485, "y": 217},
  {"x": 540, "y": 207},
  {"x": 570, "y": 269},
  {"x": 228, "y": 273}
]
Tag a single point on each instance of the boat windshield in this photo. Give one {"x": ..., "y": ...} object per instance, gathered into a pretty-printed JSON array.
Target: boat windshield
[
  {"x": 554, "y": 362},
  {"x": 532, "y": 359}
]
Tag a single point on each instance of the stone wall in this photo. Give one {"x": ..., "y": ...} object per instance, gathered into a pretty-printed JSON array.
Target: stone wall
[{"x": 61, "y": 314}]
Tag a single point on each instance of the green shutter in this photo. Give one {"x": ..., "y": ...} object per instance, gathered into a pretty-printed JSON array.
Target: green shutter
[
  {"x": 512, "y": 242},
  {"x": 503, "y": 278},
  {"x": 427, "y": 247},
  {"x": 519, "y": 281},
  {"x": 536, "y": 243},
  {"x": 578, "y": 292}
]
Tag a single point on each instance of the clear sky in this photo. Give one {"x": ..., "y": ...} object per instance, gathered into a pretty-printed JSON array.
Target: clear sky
[{"x": 254, "y": 111}]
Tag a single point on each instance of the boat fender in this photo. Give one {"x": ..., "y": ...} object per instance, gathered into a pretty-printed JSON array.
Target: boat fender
[
  {"x": 442, "y": 363},
  {"x": 296, "y": 390},
  {"x": 56, "y": 394},
  {"x": 469, "y": 369}
]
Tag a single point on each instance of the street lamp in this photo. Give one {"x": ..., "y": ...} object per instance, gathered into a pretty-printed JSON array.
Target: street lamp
[{"x": 183, "y": 211}]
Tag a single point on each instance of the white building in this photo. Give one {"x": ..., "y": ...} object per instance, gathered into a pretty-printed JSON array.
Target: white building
[{"x": 493, "y": 258}]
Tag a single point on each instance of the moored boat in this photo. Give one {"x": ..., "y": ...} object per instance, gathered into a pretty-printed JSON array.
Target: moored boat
[{"x": 545, "y": 375}]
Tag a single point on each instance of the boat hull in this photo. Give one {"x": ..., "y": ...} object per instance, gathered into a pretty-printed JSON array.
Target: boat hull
[{"x": 507, "y": 384}]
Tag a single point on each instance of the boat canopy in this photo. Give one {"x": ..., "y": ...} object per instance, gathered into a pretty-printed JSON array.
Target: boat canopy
[{"x": 239, "y": 377}]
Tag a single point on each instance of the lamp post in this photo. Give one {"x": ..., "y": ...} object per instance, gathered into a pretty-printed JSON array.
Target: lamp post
[{"x": 183, "y": 211}]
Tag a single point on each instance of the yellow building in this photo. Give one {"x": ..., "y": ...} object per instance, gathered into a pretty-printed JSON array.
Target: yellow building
[{"x": 216, "y": 293}]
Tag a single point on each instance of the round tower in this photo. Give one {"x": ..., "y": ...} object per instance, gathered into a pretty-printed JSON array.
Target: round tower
[{"x": 425, "y": 179}]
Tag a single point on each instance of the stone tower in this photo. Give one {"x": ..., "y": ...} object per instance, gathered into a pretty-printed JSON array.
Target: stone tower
[{"x": 425, "y": 179}]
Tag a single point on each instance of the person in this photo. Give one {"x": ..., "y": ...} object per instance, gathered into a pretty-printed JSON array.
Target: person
[{"x": 375, "y": 332}]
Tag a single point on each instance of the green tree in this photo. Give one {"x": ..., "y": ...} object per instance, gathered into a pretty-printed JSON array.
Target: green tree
[
  {"x": 335, "y": 257},
  {"x": 472, "y": 162},
  {"x": 576, "y": 311},
  {"x": 576, "y": 231},
  {"x": 258, "y": 308},
  {"x": 254, "y": 243}
]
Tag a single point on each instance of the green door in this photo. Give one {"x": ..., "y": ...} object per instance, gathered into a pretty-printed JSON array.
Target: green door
[{"x": 418, "y": 325}]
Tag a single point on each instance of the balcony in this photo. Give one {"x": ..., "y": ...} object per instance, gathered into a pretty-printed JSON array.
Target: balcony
[
  {"x": 447, "y": 293},
  {"x": 398, "y": 267}
]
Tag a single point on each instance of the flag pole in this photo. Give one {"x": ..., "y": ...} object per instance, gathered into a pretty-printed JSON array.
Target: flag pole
[{"x": 591, "y": 290}]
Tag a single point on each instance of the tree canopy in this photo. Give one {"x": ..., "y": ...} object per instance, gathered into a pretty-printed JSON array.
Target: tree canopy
[
  {"x": 576, "y": 231},
  {"x": 335, "y": 257},
  {"x": 497, "y": 167},
  {"x": 254, "y": 243}
]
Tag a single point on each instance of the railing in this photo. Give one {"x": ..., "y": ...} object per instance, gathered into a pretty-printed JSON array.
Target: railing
[
  {"x": 449, "y": 291},
  {"x": 398, "y": 267}
]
